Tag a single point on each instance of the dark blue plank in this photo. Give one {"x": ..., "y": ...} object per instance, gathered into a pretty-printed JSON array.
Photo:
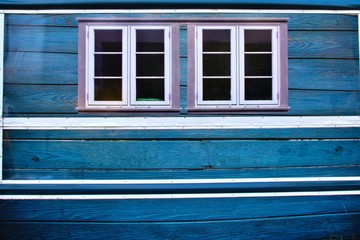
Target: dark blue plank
[
  {"x": 152, "y": 210},
  {"x": 271, "y": 172},
  {"x": 205, "y": 134},
  {"x": 256, "y": 4},
  {"x": 343, "y": 226}
]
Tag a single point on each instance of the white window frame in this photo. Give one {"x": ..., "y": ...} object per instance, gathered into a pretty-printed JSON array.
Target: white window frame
[
  {"x": 87, "y": 100},
  {"x": 199, "y": 65},
  {"x": 279, "y": 99},
  {"x": 90, "y": 73},
  {"x": 167, "y": 67}
]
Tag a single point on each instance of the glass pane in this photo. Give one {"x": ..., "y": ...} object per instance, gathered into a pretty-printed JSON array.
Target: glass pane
[
  {"x": 108, "y": 89},
  {"x": 258, "y": 65},
  {"x": 216, "y": 64},
  {"x": 150, "y": 40},
  {"x": 150, "y": 65},
  {"x": 108, "y": 40},
  {"x": 258, "y": 89},
  {"x": 109, "y": 65},
  {"x": 150, "y": 90},
  {"x": 216, "y": 89},
  {"x": 258, "y": 40},
  {"x": 216, "y": 40}
]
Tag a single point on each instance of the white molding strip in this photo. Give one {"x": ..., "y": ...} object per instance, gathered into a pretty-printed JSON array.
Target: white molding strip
[
  {"x": 178, "y": 196},
  {"x": 180, "y": 123},
  {"x": 184, "y": 11},
  {"x": 185, "y": 181}
]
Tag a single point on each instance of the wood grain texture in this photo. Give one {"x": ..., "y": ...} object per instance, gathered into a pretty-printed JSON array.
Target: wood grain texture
[
  {"x": 204, "y": 173},
  {"x": 49, "y": 68},
  {"x": 48, "y": 99},
  {"x": 204, "y": 134},
  {"x": 345, "y": 225},
  {"x": 178, "y": 154},
  {"x": 150, "y": 210},
  {"x": 302, "y": 44},
  {"x": 297, "y": 21}
]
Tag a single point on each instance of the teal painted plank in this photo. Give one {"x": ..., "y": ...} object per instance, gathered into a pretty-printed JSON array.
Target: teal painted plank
[
  {"x": 345, "y": 225},
  {"x": 41, "y": 39},
  {"x": 204, "y": 134},
  {"x": 168, "y": 209},
  {"x": 302, "y": 44},
  {"x": 48, "y": 68},
  {"x": 216, "y": 154},
  {"x": 42, "y": 99},
  {"x": 323, "y": 44},
  {"x": 40, "y": 68},
  {"x": 71, "y": 174},
  {"x": 324, "y": 74},
  {"x": 304, "y": 102},
  {"x": 297, "y": 21}
]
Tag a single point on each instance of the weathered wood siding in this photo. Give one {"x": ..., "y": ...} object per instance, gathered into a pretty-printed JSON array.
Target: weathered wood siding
[{"x": 41, "y": 80}]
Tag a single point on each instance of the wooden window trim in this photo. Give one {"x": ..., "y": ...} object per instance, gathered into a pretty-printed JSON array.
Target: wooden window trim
[
  {"x": 282, "y": 68},
  {"x": 174, "y": 95}
]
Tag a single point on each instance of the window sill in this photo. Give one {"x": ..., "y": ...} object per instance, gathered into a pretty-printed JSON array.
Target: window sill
[
  {"x": 234, "y": 110},
  {"x": 116, "y": 109}
]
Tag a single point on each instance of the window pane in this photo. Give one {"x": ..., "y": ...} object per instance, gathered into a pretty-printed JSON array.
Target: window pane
[
  {"x": 150, "y": 40},
  {"x": 258, "y": 65},
  {"x": 109, "y": 65},
  {"x": 216, "y": 40},
  {"x": 150, "y": 65},
  {"x": 108, "y": 89},
  {"x": 216, "y": 64},
  {"x": 108, "y": 40},
  {"x": 150, "y": 90},
  {"x": 216, "y": 89},
  {"x": 258, "y": 89},
  {"x": 258, "y": 40}
]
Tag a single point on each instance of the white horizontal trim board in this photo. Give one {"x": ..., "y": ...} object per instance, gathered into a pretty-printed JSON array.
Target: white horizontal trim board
[
  {"x": 185, "y": 181},
  {"x": 178, "y": 196},
  {"x": 178, "y": 123},
  {"x": 140, "y": 11}
]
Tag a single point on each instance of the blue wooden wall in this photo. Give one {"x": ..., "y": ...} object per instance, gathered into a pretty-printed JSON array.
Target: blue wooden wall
[{"x": 41, "y": 81}]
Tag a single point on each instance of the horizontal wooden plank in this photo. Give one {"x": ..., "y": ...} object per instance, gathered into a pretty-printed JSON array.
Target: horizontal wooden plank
[
  {"x": 323, "y": 44},
  {"x": 297, "y": 21},
  {"x": 345, "y": 225},
  {"x": 296, "y": 133},
  {"x": 168, "y": 209},
  {"x": 40, "y": 68},
  {"x": 302, "y": 44},
  {"x": 43, "y": 99},
  {"x": 324, "y": 74},
  {"x": 216, "y": 154},
  {"x": 47, "y": 68},
  {"x": 205, "y": 173}
]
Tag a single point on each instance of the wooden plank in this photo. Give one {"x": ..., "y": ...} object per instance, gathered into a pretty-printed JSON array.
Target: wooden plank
[
  {"x": 206, "y": 134},
  {"x": 216, "y": 154},
  {"x": 297, "y": 21},
  {"x": 323, "y": 44},
  {"x": 43, "y": 99},
  {"x": 167, "y": 209},
  {"x": 47, "y": 68},
  {"x": 324, "y": 74},
  {"x": 40, "y": 68},
  {"x": 302, "y": 44},
  {"x": 67, "y": 174},
  {"x": 345, "y": 225},
  {"x": 41, "y": 39}
]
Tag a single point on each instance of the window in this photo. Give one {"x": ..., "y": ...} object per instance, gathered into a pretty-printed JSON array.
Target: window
[
  {"x": 238, "y": 66},
  {"x": 127, "y": 67}
]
